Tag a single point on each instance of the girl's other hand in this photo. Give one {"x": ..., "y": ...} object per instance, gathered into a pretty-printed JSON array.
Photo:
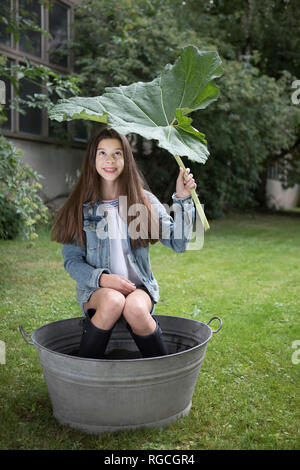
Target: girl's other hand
[
  {"x": 117, "y": 282},
  {"x": 185, "y": 183}
]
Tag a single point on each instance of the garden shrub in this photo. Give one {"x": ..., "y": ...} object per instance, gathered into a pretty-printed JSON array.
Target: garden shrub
[{"x": 10, "y": 222}]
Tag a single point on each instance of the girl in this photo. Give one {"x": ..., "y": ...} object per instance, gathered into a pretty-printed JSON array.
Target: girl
[{"x": 104, "y": 251}]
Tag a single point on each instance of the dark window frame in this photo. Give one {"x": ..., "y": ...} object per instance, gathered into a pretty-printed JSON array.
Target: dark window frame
[{"x": 14, "y": 54}]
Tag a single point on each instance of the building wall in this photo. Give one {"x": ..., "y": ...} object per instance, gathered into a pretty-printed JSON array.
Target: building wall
[
  {"x": 59, "y": 166},
  {"x": 279, "y": 198}
]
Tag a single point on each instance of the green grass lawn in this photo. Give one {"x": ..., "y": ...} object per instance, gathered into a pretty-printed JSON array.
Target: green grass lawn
[{"x": 247, "y": 394}]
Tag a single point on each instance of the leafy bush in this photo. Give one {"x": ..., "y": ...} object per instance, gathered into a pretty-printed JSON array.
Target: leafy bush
[
  {"x": 10, "y": 223},
  {"x": 20, "y": 202}
]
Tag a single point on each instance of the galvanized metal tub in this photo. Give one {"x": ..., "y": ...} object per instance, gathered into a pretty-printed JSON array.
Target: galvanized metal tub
[{"x": 123, "y": 391}]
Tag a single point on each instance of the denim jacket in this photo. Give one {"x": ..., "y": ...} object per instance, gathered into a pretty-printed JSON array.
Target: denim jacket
[{"x": 85, "y": 265}]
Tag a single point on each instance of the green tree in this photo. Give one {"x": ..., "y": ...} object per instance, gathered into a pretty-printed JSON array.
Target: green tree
[
  {"x": 122, "y": 42},
  {"x": 251, "y": 127},
  {"x": 254, "y": 123},
  {"x": 267, "y": 33}
]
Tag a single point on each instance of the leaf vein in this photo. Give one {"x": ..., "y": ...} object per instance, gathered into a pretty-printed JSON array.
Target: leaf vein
[
  {"x": 129, "y": 99},
  {"x": 162, "y": 103}
]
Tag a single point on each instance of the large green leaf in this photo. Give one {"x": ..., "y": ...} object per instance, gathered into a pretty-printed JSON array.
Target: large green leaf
[
  {"x": 78, "y": 108},
  {"x": 157, "y": 110}
]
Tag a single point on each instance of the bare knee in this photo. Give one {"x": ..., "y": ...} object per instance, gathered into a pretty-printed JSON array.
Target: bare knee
[
  {"x": 109, "y": 307},
  {"x": 113, "y": 300},
  {"x": 137, "y": 315}
]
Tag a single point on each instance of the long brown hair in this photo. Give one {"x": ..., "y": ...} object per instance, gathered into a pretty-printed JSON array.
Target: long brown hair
[{"x": 68, "y": 225}]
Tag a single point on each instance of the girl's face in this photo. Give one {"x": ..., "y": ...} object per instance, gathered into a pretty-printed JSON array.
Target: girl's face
[{"x": 109, "y": 159}]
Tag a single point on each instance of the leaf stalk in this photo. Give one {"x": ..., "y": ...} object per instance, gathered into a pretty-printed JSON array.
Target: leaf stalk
[{"x": 195, "y": 197}]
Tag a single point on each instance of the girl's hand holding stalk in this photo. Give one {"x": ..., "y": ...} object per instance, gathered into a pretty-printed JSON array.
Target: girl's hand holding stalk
[
  {"x": 194, "y": 196},
  {"x": 185, "y": 183}
]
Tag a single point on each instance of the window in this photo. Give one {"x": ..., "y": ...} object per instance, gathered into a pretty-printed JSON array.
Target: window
[
  {"x": 5, "y": 7},
  {"x": 273, "y": 172},
  {"x": 31, "y": 122},
  {"x": 81, "y": 130},
  {"x": 54, "y": 17},
  {"x": 57, "y": 129},
  {"x": 7, "y": 125},
  {"x": 34, "y": 16},
  {"x": 58, "y": 28},
  {"x": 30, "y": 41}
]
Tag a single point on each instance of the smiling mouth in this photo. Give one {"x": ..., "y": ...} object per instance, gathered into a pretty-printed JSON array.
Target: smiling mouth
[{"x": 110, "y": 170}]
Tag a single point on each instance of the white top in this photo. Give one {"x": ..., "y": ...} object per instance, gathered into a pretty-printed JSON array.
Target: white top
[{"x": 118, "y": 244}]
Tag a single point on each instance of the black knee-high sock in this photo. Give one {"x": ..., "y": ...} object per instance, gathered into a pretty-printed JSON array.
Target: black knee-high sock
[
  {"x": 152, "y": 345},
  {"x": 94, "y": 340}
]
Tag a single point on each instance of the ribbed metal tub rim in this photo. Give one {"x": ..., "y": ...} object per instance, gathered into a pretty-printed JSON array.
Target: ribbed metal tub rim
[{"x": 35, "y": 343}]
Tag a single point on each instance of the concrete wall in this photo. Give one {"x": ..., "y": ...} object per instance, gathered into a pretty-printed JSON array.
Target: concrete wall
[
  {"x": 279, "y": 198},
  {"x": 56, "y": 164}
]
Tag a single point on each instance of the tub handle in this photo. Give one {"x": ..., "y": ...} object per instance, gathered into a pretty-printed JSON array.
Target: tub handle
[
  {"x": 25, "y": 335},
  {"x": 215, "y": 318}
]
